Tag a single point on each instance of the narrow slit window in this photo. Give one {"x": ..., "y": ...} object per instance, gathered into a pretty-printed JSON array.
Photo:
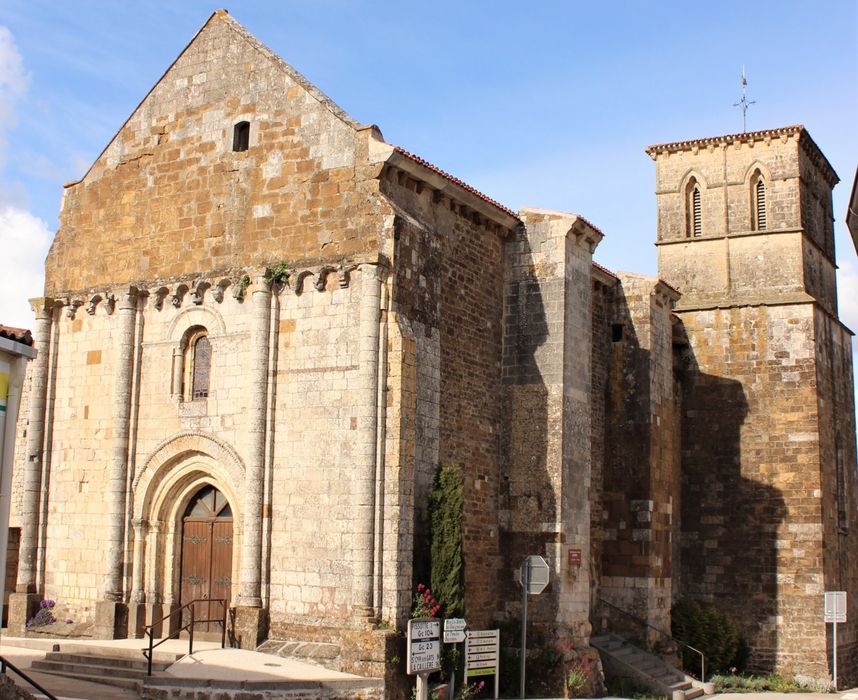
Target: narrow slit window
[
  {"x": 202, "y": 366},
  {"x": 760, "y": 204},
  {"x": 241, "y": 137}
]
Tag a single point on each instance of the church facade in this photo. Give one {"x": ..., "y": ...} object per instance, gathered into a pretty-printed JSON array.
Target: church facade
[{"x": 264, "y": 328}]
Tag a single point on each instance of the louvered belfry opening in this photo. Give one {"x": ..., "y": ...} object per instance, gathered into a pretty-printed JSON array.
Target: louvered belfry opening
[
  {"x": 760, "y": 204},
  {"x": 696, "y": 225}
]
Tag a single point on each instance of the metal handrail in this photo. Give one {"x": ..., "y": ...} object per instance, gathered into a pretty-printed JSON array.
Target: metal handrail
[
  {"x": 4, "y": 663},
  {"x": 662, "y": 632},
  {"x": 189, "y": 627}
]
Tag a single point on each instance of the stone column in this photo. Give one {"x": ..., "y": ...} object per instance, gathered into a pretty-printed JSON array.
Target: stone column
[
  {"x": 137, "y": 608},
  {"x": 364, "y": 450},
  {"x": 110, "y": 613},
  {"x": 250, "y": 618},
  {"x": 24, "y": 599}
]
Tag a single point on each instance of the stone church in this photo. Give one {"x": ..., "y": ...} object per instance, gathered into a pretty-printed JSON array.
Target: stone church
[{"x": 264, "y": 328}]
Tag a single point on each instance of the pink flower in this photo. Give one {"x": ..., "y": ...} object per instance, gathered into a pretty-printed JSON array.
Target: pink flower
[{"x": 420, "y": 587}]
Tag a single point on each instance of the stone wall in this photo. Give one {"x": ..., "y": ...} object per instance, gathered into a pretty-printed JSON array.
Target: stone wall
[
  {"x": 839, "y": 498},
  {"x": 547, "y": 395},
  {"x": 447, "y": 289},
  {"x": 169, "y": 195},
  {"x": 752, "y": 536},
  {"x": 641, "y": 474}
]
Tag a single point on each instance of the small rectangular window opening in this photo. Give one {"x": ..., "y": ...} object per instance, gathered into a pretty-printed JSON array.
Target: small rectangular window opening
[
  {"x": 241, "y": 136},
  {"x": 616, "y": 332}
]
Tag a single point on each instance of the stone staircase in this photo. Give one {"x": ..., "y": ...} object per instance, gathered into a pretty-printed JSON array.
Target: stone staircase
[
  {"x": 620, "y": 658},
  {"x": 323, "y": 654},
  {"x": 122, "y": 670}
]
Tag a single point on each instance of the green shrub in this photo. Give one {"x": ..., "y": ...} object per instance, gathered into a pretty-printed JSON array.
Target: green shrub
[
  {"x": 714, "y": 633},
  {"x": 773, "y": 683},
  {"x": 446, "y": 506}
]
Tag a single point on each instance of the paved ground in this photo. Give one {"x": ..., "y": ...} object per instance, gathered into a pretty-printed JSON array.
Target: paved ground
[
  {"x": 207, "y": 662},
  {"x": 210, "y": 662}
]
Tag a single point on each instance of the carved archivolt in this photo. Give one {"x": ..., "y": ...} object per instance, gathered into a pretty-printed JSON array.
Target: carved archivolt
[{"x": 160, "y": 466}]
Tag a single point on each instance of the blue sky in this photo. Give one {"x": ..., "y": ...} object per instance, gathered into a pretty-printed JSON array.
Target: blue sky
[{"x": 547, "y": 104}]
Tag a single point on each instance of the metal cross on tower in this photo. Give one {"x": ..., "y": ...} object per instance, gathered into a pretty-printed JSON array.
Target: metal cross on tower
[{"x": 743, "y": 103}]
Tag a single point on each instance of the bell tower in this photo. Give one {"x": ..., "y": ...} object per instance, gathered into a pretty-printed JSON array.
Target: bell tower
[{"x": 768, "y": 495}]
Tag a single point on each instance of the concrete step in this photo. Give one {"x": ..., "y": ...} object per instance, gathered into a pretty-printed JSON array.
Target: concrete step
[
  {"x": 100, "y": 660},
  {"x": 627, "y": 659},
  {"x": 320, "y": 653},
  {"x": 115, "y": 681},
  {"x": 122, "y": 671}
]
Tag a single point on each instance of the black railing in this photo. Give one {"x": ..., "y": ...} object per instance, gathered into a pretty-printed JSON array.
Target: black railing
[
  {"x": 668, "y": 635},
  {"x": 4, "y": 664},
  {"x": 188, "y": 627}
]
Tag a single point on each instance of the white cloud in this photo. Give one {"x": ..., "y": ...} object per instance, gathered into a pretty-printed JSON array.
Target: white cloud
[
  {"x": 13, "y": 81},
  {"x": 24, "y": 243}
]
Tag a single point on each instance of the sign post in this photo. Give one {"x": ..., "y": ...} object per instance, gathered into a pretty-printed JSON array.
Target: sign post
[
  {"x": 834, "y": 612},
  {"x": 423, "y": 652},
  {"x": 533, "y": 577},
  {"x": 454, "y": 633},
  {"x": 482, "y": 655}
]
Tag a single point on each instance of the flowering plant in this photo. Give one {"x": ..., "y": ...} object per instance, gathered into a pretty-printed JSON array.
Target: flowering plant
[
  {"x": 425, "y": 604},
  {"x": 471, "y": 691},
  {"x": 44, "y": 616}
]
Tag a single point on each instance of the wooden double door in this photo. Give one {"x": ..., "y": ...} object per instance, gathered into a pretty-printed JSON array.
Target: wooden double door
[{"x": 206, "y": 569}]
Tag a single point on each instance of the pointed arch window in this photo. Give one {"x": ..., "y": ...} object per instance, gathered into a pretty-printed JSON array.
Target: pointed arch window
[
  {"x": 694, "y": 210},
  {"x": 758, "y": 206}
]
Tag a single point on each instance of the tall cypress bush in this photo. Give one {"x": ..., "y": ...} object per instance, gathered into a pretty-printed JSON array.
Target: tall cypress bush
[{"x": 446, "y": 535}]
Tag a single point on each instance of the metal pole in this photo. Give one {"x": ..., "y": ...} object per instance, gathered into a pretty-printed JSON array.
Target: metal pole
[
  {"x": 453, "y": 674},
  {"x": 834, "y": 646},
  {"x": 422, "y": 686},
  {"x": 525, "y": 581}
]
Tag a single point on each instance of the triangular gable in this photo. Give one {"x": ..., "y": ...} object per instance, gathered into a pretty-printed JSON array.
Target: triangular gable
[{"x": 223, "y": 16}]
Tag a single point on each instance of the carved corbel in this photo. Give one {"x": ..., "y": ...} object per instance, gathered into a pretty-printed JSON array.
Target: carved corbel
[
  {"x": 160, "y": 294},
  {"x": 299, "y": 280},
  {"x": 219, "y": 289},
  {"x": 109, "y": 302},
  {"x": 92, "y": 304},
  {"x": 73, "y": 306},
  {"x": 199, "y": 292},
  {"x": 322, "y": 277},
  {"x": 344, "y": 276},
  {"x": 179, "y": 295}
]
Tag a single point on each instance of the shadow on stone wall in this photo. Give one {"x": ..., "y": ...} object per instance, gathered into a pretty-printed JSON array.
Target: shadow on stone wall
[
  {"x": 531, "y": 433},
  {"x": 729, "y": 522}
]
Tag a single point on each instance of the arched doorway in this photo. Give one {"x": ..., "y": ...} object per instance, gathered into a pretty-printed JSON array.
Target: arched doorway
[{"x": 206, "y": 557}]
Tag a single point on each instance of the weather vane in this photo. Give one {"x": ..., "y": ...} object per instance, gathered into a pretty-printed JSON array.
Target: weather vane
[{"x": 743, "y": 103}]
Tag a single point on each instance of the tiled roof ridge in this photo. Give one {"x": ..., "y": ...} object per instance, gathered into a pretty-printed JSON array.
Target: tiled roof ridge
[
  {"x": 452, "y": 178},
  {"x": 604, "y": 269},
  {"x": 19, "y": 335},
  {"x": 805, "y": 140},
  {"x": 727, "y": 138}
]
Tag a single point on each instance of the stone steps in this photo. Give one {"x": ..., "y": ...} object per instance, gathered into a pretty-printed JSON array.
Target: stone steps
[
  {"x": 122, "y": 671},
  {"x": 323, "y": 654},
  {"x": 625, "y": 659}
]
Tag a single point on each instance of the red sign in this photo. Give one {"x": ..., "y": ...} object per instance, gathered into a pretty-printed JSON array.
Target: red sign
[{"x": 574, "y": 557}]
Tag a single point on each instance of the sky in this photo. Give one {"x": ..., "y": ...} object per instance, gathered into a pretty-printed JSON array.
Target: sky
[{"x": 547, "y": 104}]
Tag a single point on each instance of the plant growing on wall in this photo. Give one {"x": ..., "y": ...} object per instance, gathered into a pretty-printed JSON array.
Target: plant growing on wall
[
  {"x": 280, "y": 274},
  {"x": 446, "y": 507}
]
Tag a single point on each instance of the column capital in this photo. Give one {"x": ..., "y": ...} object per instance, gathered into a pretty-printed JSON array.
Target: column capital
[
  {"x": 43, "y": 307},
  {"x": 141, "y": 528},
  {"x": 126, "y": 298}
]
